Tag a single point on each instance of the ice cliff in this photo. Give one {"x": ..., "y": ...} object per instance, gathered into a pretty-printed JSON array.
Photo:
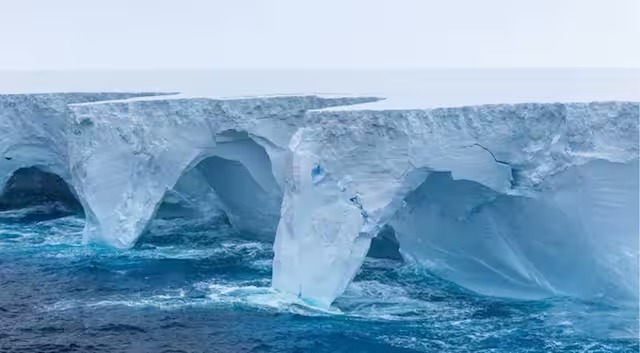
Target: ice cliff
[
  {"x": 524, "y": 200},
  {"x": 123, "y": 157},
  {"x": 34, "y": 132}
]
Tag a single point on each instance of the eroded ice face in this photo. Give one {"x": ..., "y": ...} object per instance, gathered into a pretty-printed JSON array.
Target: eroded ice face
[{"x": 522, "y": 200}]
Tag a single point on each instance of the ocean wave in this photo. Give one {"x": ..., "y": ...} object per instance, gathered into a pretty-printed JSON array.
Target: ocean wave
[
  {"x": 369, "y": 300},
  {"x": 257, "y": 294},
  {"x": 168, "y": 300}
]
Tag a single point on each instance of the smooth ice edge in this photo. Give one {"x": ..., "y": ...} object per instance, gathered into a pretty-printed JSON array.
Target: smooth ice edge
[
  {"x": 372, "y": 160},
  {"x": 121, "y": 158}
]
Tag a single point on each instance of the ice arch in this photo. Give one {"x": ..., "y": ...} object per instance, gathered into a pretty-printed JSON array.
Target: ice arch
[
  {"x": 125, "y": 155},
  {"x": 34, "y": 130},
  {"x": 232, "y": 177},
  {"x": 31, "y": 187},
  {"x": 385, "y": 245},
  {"x": 552, "y": 189},
  {"x": 34, "y": 141},
  {"x": 576, "y": 237},
  {"x": 235, "y": 182}
]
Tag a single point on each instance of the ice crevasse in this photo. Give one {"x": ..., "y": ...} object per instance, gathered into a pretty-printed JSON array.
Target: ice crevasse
[{"x": 521, "y": 200}]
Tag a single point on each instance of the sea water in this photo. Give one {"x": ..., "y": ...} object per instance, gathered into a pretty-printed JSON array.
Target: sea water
[{"x": 194, "y": 287}]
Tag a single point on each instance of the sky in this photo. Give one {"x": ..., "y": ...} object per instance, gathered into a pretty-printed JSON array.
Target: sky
[{"x": 268, "y": 34}]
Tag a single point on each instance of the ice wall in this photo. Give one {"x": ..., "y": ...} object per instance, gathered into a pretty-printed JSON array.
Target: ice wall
[
  {"x": 524, "y": 200},
  {"x": 126, "y": 155},
  {"x": 575, "y": 237},
  {"x": 34, "y": 131},
  {"x": 520, "y": 200}
]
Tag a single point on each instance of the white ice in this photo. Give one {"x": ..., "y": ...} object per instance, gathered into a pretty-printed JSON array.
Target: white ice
[
  {"x": 522, "y": 201},
  {"x": 518, "y": 200}
]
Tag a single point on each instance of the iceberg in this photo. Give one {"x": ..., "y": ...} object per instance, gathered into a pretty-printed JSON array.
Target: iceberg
[
  {"x": 34, "y": 134},
  {"x": 126, "y": 156},
  {"x": 516, "y": 200},
  {"x": 523, "y": 201}
]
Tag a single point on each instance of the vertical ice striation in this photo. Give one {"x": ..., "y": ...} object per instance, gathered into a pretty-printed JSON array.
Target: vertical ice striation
[
  {"x": 520, "y": 200},
  {"x": 576, "y": 236}
]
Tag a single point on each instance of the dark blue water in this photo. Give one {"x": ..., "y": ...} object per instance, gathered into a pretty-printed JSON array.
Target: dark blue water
[{"x": 201, "y": 288}]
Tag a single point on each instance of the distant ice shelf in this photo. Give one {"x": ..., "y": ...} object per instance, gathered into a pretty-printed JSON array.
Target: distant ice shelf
[{"x": 519, "y": 200}]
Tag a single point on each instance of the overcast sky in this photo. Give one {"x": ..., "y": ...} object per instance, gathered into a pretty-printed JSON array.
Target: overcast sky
[{"x": 151, "y": 34}]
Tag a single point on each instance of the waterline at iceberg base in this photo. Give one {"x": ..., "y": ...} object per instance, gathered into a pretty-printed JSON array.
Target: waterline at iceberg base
[{"x": 494, "y": 227}]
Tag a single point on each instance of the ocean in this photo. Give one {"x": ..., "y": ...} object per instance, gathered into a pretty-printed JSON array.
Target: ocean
[{"x": 196, "y": 287}]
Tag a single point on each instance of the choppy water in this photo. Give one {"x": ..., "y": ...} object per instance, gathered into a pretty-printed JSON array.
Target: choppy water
[{"x": 194, "y": 288}]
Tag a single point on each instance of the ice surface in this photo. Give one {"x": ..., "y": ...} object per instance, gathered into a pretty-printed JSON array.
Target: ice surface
[{"x": 518, "y": 200}]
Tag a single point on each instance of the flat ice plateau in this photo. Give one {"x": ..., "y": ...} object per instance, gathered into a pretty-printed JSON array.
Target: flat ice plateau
[{"x": 524, "y": 198}]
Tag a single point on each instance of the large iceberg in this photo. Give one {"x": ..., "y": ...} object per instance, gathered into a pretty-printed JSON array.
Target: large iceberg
[
  {"x": 522, "y": 200},
  {"x": 123, "y": 158},
  {"x": 525, "y": 200}
]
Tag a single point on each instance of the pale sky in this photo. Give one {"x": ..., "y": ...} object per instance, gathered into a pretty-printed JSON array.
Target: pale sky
[{"x": 193, "y": 34}]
